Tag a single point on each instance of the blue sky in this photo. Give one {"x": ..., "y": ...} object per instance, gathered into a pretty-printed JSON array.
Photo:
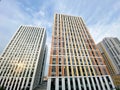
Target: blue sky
[{"x": 102, "y": 17}]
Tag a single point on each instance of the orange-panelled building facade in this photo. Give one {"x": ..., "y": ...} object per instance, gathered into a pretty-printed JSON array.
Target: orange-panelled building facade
[{"x": 75, "y": 61}]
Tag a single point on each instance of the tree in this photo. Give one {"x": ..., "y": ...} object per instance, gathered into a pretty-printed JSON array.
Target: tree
[
  {"x": 117, "y": 88},
  {"x": 2, "y": 88}
]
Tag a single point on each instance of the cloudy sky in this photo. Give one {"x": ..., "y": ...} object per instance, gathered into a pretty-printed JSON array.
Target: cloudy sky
[{"x": 102, "y": 17}]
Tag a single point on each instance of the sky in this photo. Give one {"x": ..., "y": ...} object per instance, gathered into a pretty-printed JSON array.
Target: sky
[{"x": 102, "y": 17}]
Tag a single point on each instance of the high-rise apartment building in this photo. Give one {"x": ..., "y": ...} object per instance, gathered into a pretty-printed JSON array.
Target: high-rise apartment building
[
  {"x": 22, "y": 61},
  {"x": 110, "y": 50},
  {"x": 75, "y": 61}
]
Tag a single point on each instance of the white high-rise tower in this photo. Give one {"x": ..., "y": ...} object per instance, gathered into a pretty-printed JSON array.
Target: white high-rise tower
[{"x": 22, "y": 61}]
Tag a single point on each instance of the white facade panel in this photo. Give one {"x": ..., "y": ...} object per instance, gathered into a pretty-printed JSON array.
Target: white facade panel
[{"x": 21, "y": 58}]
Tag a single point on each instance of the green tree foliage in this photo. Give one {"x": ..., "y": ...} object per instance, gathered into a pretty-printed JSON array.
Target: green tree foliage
[
  {"x": 2, "y": 88},
  {"x": 117, "y": 88}
]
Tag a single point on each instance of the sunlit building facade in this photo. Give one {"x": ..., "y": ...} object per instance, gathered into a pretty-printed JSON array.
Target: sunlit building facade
[
  {"x": 22, "y": 61},
  {"x": 75, "y": 61}
]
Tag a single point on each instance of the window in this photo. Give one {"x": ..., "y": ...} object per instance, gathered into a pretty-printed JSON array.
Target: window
[
  {"x": 53, "y": 68},
  {"x": 66, "y": 84},
  {"x": 99, "y": 83},
  {"x": 70, "y": 71},
  {"x": 60, "y": 70},
  {"x": 54, "y": 52},
  {"x": 54, "y": 61},
  {"x": 60, "y": 61},
  {"x": 104, "y": 69},
  {"x": 53, "y": 83},
  {"x": 95, "y": 83},
  {"x": 76, "y": 83},
  {"x": 65, "y": 70},
  {"x": 71, "y": 83},
  {"x": 81, "y": 83},
  {"x": 91, "y": 84},
  {"x": 60, "y": 83}
]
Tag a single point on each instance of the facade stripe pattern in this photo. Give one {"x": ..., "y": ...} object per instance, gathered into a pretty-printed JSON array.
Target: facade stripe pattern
[{"x": 75, "y": 61}]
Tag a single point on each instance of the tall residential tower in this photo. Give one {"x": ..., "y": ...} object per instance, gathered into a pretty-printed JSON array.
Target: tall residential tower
[
  {"x": 22, "y": 62},
  {"x": 75, "y": 61},
  {"x": 110, "y": 50}
]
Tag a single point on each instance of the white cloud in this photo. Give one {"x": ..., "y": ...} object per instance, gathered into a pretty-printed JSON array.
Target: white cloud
[
  {"x": 106, "y": 26},
  {"x": 116, "y": 6},
  {"x": 12, "y": 15},
  {"x": 100, "y": 31},
  {"x": 41, "y": 13}
]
